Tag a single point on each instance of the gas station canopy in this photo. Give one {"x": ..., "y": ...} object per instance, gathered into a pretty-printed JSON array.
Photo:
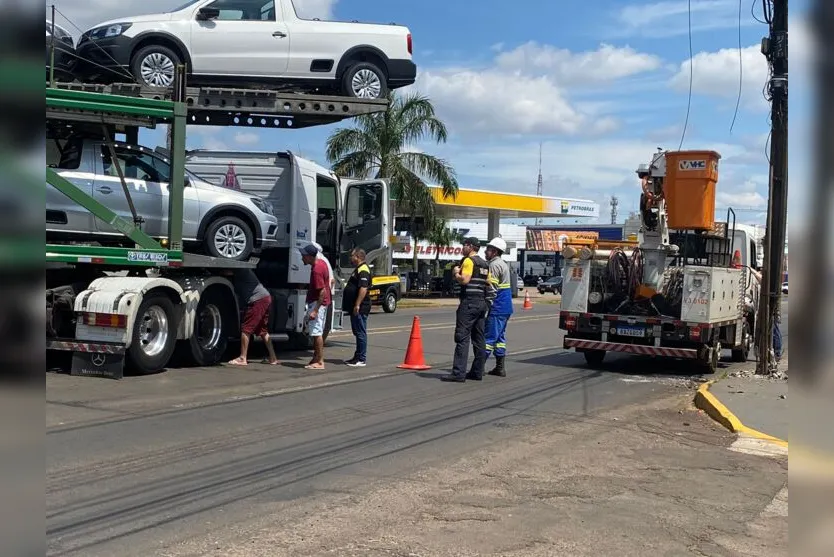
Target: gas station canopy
[{"x": 473, "y": 204}]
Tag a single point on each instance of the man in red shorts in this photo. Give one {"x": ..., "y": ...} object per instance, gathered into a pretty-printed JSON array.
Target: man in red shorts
[{"x": 251, "y": 292}]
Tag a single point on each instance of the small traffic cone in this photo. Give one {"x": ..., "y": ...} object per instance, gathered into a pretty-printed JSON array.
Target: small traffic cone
[
  {"x": 414, "y": 353},
  {"x": 527, "y": 303}
]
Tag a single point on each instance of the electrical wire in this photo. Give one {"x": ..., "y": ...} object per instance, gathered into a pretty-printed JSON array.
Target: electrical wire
[
  {"x": 753, "y": 13},
  {"x": 740, "y": 70},
  {"x": 691, "y": 75}
]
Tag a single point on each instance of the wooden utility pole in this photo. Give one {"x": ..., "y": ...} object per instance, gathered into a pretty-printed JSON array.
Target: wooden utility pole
[{"x": 775, "y": 49}]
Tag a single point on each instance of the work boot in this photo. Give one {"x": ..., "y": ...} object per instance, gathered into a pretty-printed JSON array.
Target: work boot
[{"x": 498, "y": 370}]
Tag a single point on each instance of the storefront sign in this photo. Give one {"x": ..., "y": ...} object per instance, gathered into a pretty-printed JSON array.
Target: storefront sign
[{"x": 554, "y": 240}]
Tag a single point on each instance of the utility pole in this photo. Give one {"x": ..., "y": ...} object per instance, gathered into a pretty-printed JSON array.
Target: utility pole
[
  {"x": 775, "y": 49},
  {"x": 539, "y": 184}
]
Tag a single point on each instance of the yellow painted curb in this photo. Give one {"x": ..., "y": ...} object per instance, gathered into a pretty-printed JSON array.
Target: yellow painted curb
[{"x": 707, "y": 402}]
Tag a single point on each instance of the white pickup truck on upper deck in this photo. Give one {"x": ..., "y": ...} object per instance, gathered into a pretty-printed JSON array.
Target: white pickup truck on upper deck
[{"x": 246, "y": 42}]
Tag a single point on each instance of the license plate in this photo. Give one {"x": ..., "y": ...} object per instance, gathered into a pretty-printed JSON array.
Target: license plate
[{"x": 631, "y": 331}]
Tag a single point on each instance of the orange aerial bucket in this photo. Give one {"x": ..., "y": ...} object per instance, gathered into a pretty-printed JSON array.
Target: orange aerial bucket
[{"x": 689, "y": 189}]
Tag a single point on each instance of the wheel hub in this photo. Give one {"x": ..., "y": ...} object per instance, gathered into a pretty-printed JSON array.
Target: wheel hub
[
  {"x": 157, "y": 70},
  {"x": 230, "y": 241},
  {"x": 366, "y": 84},
  {"x": 153, "y": 331}
]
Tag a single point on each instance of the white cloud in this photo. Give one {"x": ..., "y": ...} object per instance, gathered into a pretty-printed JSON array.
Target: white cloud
[
  {"x": 247, "y": 138},
  {"x": 716, "y": 74},
  {"x": 526, "y": 91},
  {"x": 605, "y": 64},
  {"x": 741, "y": 199},
  {"x": 80, "y": 15},
  {"x": 670, "y": 18}
]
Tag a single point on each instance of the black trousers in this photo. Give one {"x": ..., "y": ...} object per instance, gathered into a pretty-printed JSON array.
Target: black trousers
[{"x": 470, "y": 323}]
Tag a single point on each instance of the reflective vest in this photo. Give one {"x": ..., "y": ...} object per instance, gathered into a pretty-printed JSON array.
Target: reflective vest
[
  {"x": 499, "y": 278},
  {"x": 478, "y": 284}
]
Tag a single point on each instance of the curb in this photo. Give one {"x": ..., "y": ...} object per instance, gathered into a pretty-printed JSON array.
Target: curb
[{"x": 707, "y": 402}]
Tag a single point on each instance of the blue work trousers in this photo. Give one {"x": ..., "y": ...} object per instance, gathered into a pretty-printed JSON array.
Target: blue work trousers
[
  {"x": 359, "y": 327},
  {"x": 496, "y": 327}
]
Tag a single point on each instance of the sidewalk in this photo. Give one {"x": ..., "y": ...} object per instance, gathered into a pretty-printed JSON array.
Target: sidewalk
[{"x": 749, "y": 404}]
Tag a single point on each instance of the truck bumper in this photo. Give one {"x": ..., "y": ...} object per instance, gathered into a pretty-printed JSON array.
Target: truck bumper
[{"x": 584, "y": 345}]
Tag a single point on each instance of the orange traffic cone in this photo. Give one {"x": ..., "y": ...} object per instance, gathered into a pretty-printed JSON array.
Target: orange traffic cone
[
  {"x": 414, "y": 353},
  {"x": 527, "y": 303}
]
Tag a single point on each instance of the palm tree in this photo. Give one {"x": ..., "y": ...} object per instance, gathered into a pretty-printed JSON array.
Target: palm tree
[
  {"x": 441, "y": 236},
  {"x": 378, "y": 146}
]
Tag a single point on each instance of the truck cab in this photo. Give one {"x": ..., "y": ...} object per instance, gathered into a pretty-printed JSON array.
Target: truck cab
[{"x": 312, "y": 205}]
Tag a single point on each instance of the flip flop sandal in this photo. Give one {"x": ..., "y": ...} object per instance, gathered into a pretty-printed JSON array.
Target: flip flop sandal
[
  {"x": 268, "y": 363},
  {"x": 237, "y": 362}
]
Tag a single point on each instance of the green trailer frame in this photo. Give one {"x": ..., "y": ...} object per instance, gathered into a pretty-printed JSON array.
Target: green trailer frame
[{"x": 113, "y": 110}]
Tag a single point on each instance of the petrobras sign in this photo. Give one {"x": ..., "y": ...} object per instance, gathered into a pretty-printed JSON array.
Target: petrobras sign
[{"x": 578, "y": 208}]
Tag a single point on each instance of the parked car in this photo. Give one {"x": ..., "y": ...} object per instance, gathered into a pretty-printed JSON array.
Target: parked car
[
  {"x": 553, "y": 284},
  {"x": 65, "y": 55},
  {"x": 224, "y": 222},
  {"x": 784, "y": 288},
  {"x": 241, "y": 42}
]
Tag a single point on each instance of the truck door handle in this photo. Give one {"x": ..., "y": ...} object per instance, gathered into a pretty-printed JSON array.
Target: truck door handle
[
  {"x": 279, "y": 34},
  {"x": 104, "y": 189}
]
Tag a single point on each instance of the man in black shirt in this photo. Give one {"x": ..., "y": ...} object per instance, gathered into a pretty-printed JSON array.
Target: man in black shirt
[{"x": 355, "y": 301}]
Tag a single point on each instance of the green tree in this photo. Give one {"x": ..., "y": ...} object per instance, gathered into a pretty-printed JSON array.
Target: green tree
[
  {"x": 377, "y": 145},
  {"x": 441, "y": 236}
]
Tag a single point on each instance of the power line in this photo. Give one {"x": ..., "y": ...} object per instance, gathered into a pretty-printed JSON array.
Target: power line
[
  {"x": 740, "y": 71},
  {"x": 691, "y": 74}
]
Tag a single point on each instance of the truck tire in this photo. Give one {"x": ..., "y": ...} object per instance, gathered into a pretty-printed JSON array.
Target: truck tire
[
  {"x": 741, "y": 353},
  {"x": 154, "y": 66},
  {"x": 364, "y": 80},
  {"x": 209, "y": 340},
  {"x": 389, "y": 301},
  {"x": 713, "y": 356},
  {"x": 594, "y": 358},
  {"x": 228, "y": 237},
  {"x": 154, "y": 335}
]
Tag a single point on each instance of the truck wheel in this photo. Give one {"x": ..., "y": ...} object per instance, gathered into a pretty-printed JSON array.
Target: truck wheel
[
  {"x": 154, "y": 66},
  {"x": 154, "y": 335},
  {"x": 741, "y": 353},
  {"x": 712, "y": 358},
  {"x": 594, "y": 358},
  {"x": 389, "y": 303},
  {"x": 210, "y": 337},
  {"x": 364, "y": 81},
  {"x": 229, "y": 237}
]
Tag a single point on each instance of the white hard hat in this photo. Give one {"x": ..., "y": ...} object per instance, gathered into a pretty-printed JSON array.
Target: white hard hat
[
  {"x": 499, "y": 244},
  {"x": 318, "y": 246}
]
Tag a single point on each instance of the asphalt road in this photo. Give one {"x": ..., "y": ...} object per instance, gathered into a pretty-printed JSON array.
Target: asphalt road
[{"x": 140, "y": 466}]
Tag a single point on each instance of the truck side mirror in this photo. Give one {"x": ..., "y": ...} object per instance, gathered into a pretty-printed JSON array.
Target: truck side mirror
[{"x": 207, "y": 14}]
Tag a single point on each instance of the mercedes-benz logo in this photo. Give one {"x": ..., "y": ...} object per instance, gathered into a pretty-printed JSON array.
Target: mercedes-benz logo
[{"x": 98, "y": 359}]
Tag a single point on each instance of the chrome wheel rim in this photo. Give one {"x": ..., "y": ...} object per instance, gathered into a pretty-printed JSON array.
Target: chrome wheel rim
[
  {"x": 392, "y": 301},
  {"x": 153, "y": 331},
  {"x": 366, "y": 84},
  {"x": 209, "y": 328},
  {"x": 157, "y": 70},
  {"x": 230, "y": 240}
]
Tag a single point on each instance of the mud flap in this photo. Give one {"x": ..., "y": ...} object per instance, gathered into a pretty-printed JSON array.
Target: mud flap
[{"x": 98, "y": 364}]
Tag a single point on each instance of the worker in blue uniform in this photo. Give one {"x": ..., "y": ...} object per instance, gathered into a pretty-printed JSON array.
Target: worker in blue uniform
[{"x": 500, "y": 299}]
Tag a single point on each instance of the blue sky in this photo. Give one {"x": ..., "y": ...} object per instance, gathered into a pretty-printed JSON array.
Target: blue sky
[{"x": 601, "y": 83}]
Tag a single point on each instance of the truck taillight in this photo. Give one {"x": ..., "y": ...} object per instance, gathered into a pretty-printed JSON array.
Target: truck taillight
[
  {"x": 570, "y": 323},
  {"x": 409, "y": 44},
  {"x": 114, "y": 320},
  {"x": 695, "y": 333}
]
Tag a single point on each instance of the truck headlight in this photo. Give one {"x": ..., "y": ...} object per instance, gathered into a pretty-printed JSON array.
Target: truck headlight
[
  {"x": 264, "y": 206},
  {"x": 109, "y": 31}
]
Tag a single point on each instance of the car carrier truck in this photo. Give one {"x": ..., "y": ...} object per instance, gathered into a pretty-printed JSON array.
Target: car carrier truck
[
  {"x": 140, "y": 301},
  {"x": 688, "y": 290}
]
